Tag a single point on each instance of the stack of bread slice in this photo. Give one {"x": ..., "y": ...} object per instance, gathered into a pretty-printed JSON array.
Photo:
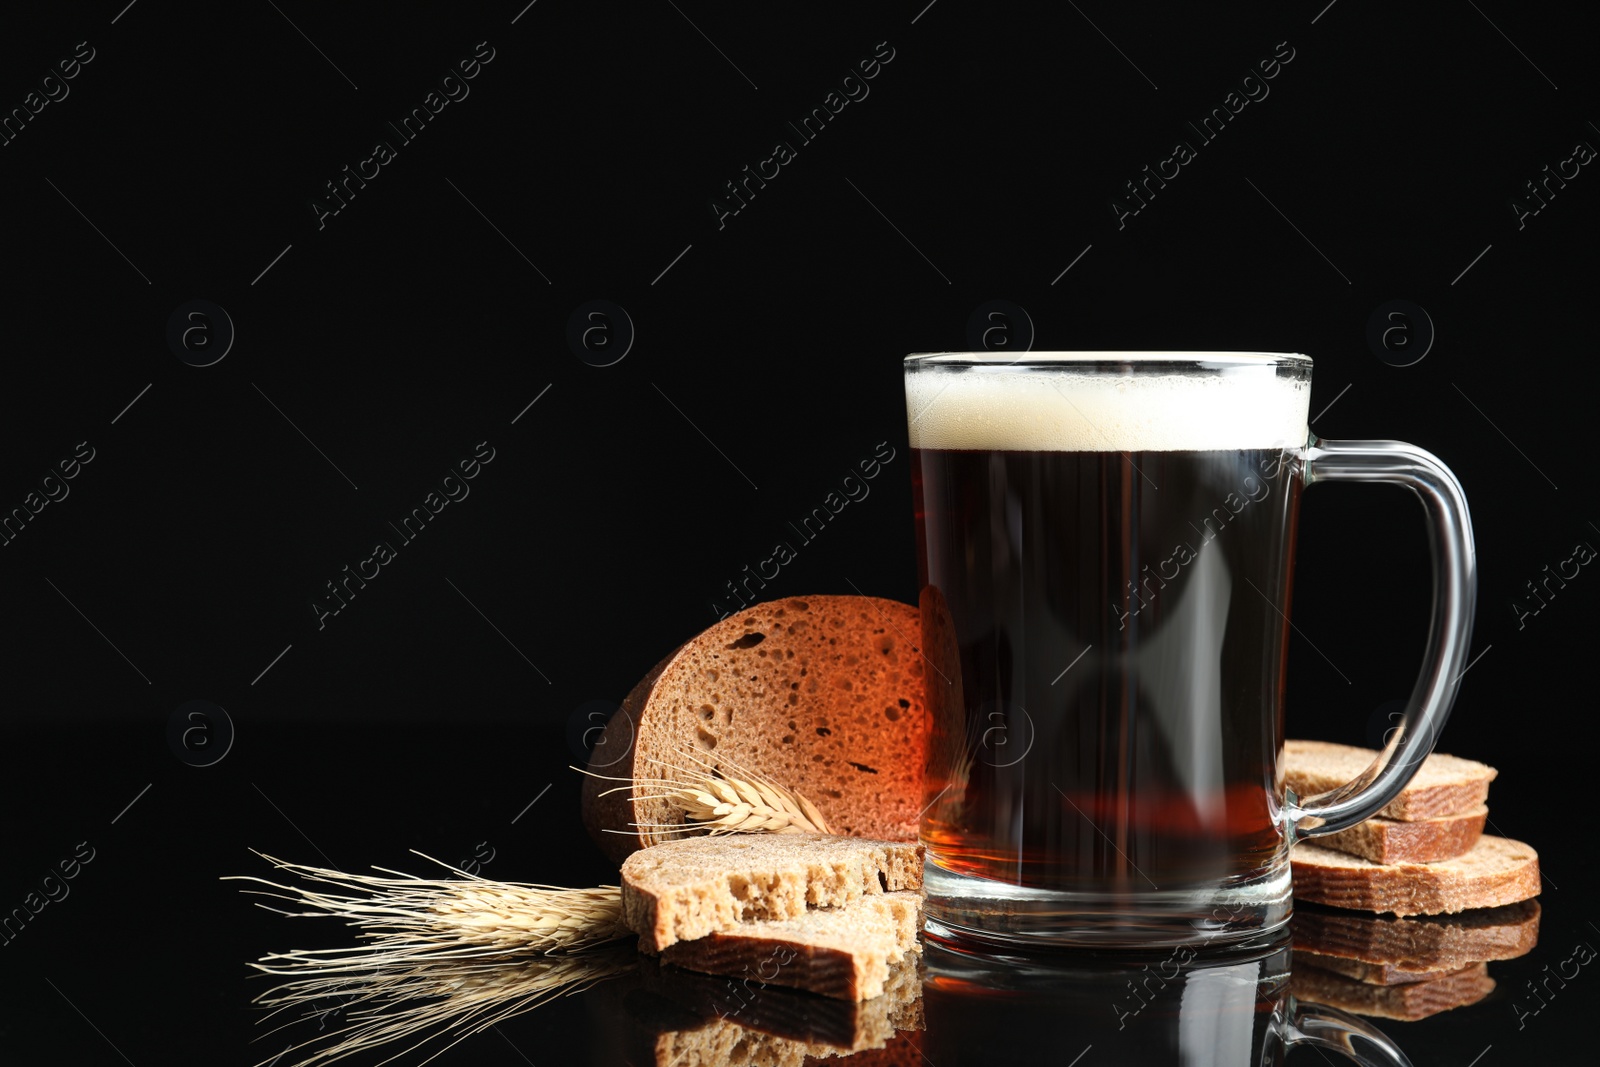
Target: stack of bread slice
[
  {"x": 1424, "y": 854},
  {"x": 817, "y": 912}
]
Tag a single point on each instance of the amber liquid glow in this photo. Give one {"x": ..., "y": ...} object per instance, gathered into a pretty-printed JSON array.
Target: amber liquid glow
[{"x": 1108, "y": 632}]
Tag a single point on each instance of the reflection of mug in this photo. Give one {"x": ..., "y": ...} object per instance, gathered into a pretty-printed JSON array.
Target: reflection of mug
[
  {"x": 1183, "y": 1006},
  {"x": 1106, "y": 554}
]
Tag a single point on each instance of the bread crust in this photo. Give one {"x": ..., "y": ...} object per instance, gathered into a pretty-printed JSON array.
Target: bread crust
[{"x": 605, "y": 811}]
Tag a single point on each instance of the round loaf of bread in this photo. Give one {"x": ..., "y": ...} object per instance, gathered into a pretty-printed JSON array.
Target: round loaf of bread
[{"x": 821, "y": 694}]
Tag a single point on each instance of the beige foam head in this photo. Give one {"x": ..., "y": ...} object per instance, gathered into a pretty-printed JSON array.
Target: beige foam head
[{"x": 1108, "y": 401}]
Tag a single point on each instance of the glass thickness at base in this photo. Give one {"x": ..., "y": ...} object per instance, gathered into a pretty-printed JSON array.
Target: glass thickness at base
[{"x": 967, "y": 909}]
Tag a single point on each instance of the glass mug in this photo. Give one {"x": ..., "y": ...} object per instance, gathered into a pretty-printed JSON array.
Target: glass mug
[
  {"x": 1180, "y": 1007},
  {"x": 1105, "y": 551}
]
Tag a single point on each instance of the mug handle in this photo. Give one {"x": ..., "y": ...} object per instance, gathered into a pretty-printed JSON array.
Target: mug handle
[
  {"x": 1330, "y": 1028},
  {"x": 1455, "y": 590}
]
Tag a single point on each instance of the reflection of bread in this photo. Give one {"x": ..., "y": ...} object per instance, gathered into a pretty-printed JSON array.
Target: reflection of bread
[
  {"x": 822, "y": 694},
  {"x": 1422, "y": 841},
  {"x": 669, "y": 1016},
  {"x": 725, "y": 1043},
  {"x": 1496, "y": 871},
  {"x": 840, "y": 952},
  {"x": 1422, "y": 944},
  {"x": 904, "y": 1051},
  {"x": 683, "y": 890},
  {"x": 771, "y": 1009},
  {"x": 1417, "y": 1000},
  {"x": 1370, "y": 973},
  {"x": 1443, "y": 785}
]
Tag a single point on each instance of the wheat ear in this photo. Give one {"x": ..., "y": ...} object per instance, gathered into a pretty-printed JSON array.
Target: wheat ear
[{"x": 720, "y": 802}]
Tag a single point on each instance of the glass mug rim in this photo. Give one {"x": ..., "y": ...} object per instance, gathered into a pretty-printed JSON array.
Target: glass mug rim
[
  {"x": 1108, "y": 401},
  {"x": 1130, "y": 358}
]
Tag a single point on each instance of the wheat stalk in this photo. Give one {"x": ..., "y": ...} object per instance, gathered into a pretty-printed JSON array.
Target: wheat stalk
[
  {"x": 407, "y": 918},
  {"x": 719, "y": 802}
]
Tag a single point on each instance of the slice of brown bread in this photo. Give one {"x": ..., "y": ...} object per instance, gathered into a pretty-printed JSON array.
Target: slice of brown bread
[
  {"x": 1370, "y": 973},
  {"x": 683, "y": 890},
  {"x": 1408, "y": 1003},
  {"x": 843, "y": 952},
  {"x": 1421, "y": 841},
  {"x": 1496, "y": 871},
  {"x": 1443, "y": 785},
  {"x": 821, "y": 694},
  {"x": 1430, "y": 943}
]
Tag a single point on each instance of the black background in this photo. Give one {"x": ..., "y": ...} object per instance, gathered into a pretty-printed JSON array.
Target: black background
[{"x": 376, "y": 350}]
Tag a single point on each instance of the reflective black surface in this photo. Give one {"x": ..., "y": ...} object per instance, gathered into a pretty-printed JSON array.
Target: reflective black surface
[
  {"x": 151, "y": 948},
  {"x": 183, "y": 516}
]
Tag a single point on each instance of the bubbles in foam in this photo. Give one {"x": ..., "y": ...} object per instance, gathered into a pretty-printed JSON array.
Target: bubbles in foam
[{"x": 1054, "y": 403}]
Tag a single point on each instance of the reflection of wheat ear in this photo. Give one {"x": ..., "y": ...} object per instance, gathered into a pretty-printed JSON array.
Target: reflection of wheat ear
[
  {"x": 714, "y": 800},
  {"x": 439, "y": 1000}
]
